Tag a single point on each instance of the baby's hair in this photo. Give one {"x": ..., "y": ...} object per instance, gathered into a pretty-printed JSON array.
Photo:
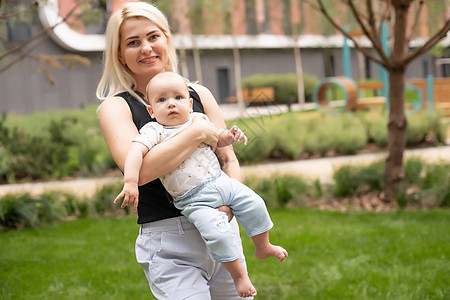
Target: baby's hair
[{"x": 157, "y": 76}]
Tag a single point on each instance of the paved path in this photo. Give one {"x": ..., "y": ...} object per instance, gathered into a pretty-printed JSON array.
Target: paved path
[
  {"x": 321, "y": 169},
  {"x": 231, "y": 111}
]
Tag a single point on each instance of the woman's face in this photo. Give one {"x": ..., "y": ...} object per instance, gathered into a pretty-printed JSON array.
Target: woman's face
[{"x": 143, "y": 48}]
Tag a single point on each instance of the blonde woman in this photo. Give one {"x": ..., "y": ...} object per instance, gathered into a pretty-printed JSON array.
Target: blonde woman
[{"x": 169, "y": 248}]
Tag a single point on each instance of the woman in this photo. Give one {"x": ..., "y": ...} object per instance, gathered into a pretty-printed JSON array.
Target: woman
[{"x": 169, "y": 248}]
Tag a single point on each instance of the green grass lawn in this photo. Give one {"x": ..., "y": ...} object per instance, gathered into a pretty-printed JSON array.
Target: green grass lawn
[{"x": 332, "y": 255}]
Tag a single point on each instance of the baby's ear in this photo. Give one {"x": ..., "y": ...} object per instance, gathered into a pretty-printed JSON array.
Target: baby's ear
[
  {"x": 191, "y": 102},
  {"x": 150, "y": 111}
]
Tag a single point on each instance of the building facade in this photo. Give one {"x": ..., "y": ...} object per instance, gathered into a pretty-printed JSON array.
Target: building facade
[{"x": 260, "y": 30}]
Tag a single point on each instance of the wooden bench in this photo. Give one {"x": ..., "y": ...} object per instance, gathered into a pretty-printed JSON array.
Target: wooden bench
[
  {"x": 369, "y": 102},
  {"x": 255, "y": 95},
  {"x": 441, "y": 93},
  {"x": 374, "y": 86},
  {"x": 366, "y": 103}
]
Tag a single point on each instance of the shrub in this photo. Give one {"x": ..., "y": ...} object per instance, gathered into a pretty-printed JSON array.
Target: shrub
[
  {"x": 104, "y": 200},
  {"x": 290, "y": 137},
  {"x": 343, "y": 134},
  {"x": 38, "y": 146},
  {"x": 18, "y": 211},
  {"x": 352, "y": 180},
  {"x": 422, "y": 127},
  {"x": 376, "y": 124},
  {"x": 436, "y": 175},
  {"x": 279, "y": 191},
  {"x": 53, "y": 147},
  {"x": 261, "y": 140},
  {"x": 285, "y": 85},
  {"x": 290, "y": 189},
  {"x": 413, "y": 170},
  {"x": 24, "y": 210}
]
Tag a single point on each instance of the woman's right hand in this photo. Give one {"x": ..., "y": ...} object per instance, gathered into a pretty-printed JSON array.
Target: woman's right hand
[{"x": 209, "y": 133}]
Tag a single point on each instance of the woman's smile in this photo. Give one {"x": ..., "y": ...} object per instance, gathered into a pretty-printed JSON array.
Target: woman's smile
[{"x": 149, "y": 60}]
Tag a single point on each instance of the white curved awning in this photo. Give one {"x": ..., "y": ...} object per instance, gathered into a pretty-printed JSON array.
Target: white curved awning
[
  {"x": 74, "y": 41},
  {"x": 65, "y": 36}
]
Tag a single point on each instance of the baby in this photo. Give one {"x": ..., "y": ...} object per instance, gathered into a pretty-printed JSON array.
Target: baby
[{"x": 198, "y": 186}]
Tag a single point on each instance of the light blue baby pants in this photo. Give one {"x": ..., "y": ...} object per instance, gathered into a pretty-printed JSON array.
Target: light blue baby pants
[{"x": 199, "y": 206}]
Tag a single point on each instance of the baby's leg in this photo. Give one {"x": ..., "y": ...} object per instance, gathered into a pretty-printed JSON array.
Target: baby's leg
[
  {"x": 241, "y": 280},
  {"x": 264, "y": 249}
]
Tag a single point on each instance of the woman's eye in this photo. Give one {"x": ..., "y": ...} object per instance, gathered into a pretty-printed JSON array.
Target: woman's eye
[
  {"x": 132, "y": 43},
  {"x": 153, "y": 37}
]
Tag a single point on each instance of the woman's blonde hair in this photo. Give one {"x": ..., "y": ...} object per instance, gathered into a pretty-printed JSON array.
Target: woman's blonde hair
[{"x": 116, "y": 78}]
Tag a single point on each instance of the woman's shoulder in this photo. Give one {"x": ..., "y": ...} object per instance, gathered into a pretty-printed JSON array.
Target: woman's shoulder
[
  {"x": 201, "y": 90},
  {"x": 112, "y": 102},
  {"x": 204, "y": 94}
]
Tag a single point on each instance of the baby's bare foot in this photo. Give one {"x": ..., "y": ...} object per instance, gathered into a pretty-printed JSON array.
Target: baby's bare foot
[
  {"x": 271, "y": 250},
  {"x": 244, "y": 287}
]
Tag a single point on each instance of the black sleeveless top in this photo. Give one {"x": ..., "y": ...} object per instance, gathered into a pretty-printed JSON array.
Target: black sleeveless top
[{"x": 154, "y": 201}]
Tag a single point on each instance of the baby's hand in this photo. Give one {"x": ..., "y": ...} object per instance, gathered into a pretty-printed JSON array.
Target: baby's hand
[
  {"x": 238, "y": 135},
  {"x": 228, "y": 137},
  {"x": 130, "y": 195}
]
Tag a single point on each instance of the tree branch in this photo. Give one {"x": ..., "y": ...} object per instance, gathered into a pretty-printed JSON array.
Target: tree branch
[
  {"x": 371, "y": 35},
  {"x": 372, "y": 21},
  {"x": 416, "y": 20},
  {"x": 25, "y": 43},
  {"x": 387, "y": 12},
  {"x": 34, "y": 37},
  {"x": 430, "y": 43},
  {"x": 34, "y": 4},
  {"x": 324, "y": 11},
  {"x": 24, "y": 55}
]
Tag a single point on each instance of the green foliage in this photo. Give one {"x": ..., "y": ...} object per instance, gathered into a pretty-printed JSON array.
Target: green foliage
[
  {"x": 375, "y": 123},
  {"x": 291, "y": 135},
  {"x": 69, "y": 143},
  {"x": 422, "y": 126},
  {"x": 413, "y": 170},
  {"x": 281, "y": 190},
  {"x": 26, "y": 211},
  {"x": 285, "y": 85},
  {"x": 44, "y": 146},
  {"x": 351, "y": 180},
  {"x": 332, "y": 255},
  {"x": 426, "y": 185},
  {"x": 289, "y": 189},
  {"x": 18, "y": 212},
  {"x": 103, "y": 200}
]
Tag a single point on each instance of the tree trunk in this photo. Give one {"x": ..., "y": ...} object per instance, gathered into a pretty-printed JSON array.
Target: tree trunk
[
  {"x": 397, "y": 124},
  {"x": 397, "y": 129}
]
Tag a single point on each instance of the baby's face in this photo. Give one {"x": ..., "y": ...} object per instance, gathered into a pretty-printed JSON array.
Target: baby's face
[{"x": 170, "y": 103}]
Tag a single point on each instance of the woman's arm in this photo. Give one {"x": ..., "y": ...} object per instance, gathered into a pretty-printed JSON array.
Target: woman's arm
[
  {"x": 226, "y": 155},
  {"x": 118, "y": 129}
]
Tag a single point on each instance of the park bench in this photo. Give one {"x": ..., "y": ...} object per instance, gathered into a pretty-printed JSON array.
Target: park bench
[
  {"x": 375, "y": 86},
  {"x": 441, "y": 93},
  {"x": 369, "y": 102},
  {"x": 255, "y": 95}
]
